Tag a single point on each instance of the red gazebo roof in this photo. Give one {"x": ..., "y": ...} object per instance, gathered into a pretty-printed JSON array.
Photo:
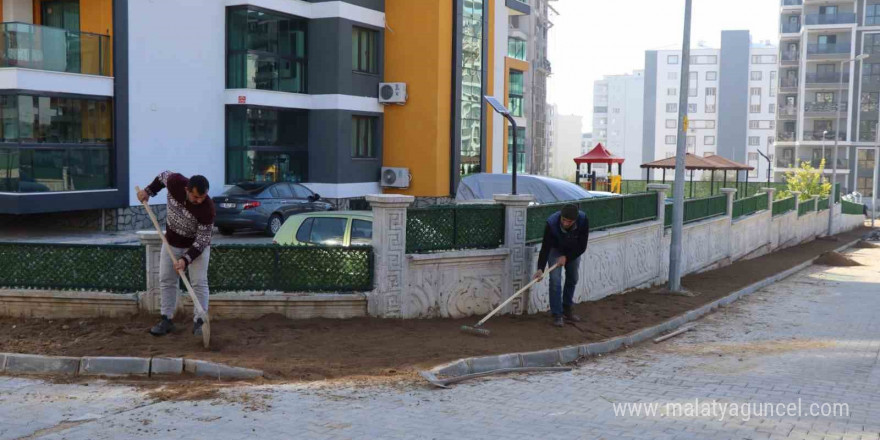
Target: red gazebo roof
[{"x": 598, "y": 155}]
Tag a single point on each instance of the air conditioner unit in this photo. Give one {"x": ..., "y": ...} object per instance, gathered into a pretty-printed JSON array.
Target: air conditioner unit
[
  {"x": 392, "y": 93},
  {"x": 395, "y": 177}
]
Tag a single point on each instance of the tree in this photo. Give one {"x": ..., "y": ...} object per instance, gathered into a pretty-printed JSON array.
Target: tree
[{"x": 808, "y": 180}]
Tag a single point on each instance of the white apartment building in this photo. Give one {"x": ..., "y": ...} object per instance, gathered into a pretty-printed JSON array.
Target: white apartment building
[{"x": 618, "y": 106}]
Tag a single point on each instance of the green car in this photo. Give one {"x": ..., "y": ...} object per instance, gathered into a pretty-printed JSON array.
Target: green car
[{"x": 327, "y": 228}]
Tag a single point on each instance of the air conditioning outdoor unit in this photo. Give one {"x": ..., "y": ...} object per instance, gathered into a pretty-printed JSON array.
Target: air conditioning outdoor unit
[
  {"x": 392, "y": 93},
  {"x": 395, "y": 177}
]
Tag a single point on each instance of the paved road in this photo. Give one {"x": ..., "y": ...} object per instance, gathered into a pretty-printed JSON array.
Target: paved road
[{"x": 813, "y": 338}]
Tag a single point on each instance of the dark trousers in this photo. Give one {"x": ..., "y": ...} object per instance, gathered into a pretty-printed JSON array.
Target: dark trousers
[{"x": 562, "y": 297}]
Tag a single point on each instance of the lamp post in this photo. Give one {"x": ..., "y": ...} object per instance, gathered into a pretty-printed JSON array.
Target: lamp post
[
  {"x": 861, "y": 57},
  {"x": 503, "y": 111},
  {"x": 824, "y": 137},
  {"x": 769, "y": 164}
]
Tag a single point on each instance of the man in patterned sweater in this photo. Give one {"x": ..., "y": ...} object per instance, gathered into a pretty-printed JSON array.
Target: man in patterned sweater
[{"x": 189, "y": 225}]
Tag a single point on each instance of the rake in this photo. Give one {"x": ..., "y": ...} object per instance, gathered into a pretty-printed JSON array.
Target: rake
[
  {"x": 206, "y": 325},
  {"x": 477, "y": 328}
]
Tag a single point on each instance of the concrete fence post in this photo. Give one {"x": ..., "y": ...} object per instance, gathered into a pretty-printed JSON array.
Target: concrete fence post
[
  {"x": 797, "y": 201},
  {"x": 660, "y": 190},
  {"x": 389, "y": 247},
  {"x": 730, "y": 193},
  {"x": 515, "y": 215},
  {"x": 771, "y": 192},
  {"x": 149, "y": 301}
]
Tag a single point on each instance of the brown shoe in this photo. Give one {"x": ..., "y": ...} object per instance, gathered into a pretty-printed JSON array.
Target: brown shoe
[
  {"x": 558, "y": 321},
  {"x": 570, "y": 316}
]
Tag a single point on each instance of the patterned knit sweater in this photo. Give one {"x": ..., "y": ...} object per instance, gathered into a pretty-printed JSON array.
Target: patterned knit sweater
[{"x": 188, "y": 225}]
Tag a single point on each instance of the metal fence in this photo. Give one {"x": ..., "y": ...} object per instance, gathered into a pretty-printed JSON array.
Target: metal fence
[
  {"x": 822, "y": 205},
  {"x": 852, "y": 208},
  {"x": 703, "y": 189},
  {"x": 807, "y": 206},
  {"x": 449, "y": 227},
  {"x": 749, "y": 206},
  {"x": 602, "y": 212},
  {"x": 783, "y": 206},
  {"x": 290, "y": 268},
  {"x": 707, "y": 207},
  {"x": 112, "y": 268}
]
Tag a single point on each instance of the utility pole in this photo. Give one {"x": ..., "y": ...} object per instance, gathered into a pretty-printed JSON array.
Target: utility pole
[{"x": 680, "y": 153}]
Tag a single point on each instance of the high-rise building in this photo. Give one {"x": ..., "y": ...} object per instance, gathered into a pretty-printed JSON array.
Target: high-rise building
[
  {"x": 567, "y": 139},
  {"x": 818, "y": 83},
  {"x": 618, "y": 107}
]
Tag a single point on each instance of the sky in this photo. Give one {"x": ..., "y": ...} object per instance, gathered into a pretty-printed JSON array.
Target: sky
[{"x": 594, "y": 38}]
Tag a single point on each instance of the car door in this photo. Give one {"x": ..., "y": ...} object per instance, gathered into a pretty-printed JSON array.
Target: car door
[
  {"x": 286, "y": 203},
  {"x": 306, "y": 195},
  {"x": 328, "y": 231},
  {"x": 361, "y": 233}
]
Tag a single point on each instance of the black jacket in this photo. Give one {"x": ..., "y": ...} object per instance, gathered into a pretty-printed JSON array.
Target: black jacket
[{"x": 572, "y": 244}]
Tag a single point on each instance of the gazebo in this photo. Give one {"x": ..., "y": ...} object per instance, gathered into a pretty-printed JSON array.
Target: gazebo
[
  {"x": 598, "y": 155},
  {"x": 692, "y": 162}
]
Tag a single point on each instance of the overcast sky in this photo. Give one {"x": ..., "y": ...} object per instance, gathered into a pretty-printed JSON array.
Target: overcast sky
[{"x": 593, "y": 38}]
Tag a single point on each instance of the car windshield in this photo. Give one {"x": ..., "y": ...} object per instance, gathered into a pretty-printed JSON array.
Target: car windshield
[{"x": 245, "y": 189}]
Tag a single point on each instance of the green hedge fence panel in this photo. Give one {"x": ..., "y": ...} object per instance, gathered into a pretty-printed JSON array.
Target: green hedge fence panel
[
  {"x": 852, "y": 208},
  {"x": 602, "y": 212},
  {"x": 451, "y": 227},
  {"x": 823, "y": 204},
  {"x": 701, "y": 209},
  {"x": 782, "y": 206}
]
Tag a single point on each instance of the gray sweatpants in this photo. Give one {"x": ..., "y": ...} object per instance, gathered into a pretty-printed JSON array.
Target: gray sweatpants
[{"x": 169, "y": 279}]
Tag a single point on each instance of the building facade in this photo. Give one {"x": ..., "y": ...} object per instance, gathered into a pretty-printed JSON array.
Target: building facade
[
  {"x": 731, "y": 101},
  {"x": 254, "y": 90},
  {"x": 566, "y": 145},
  {"x": 819, "y": 81},
  {"x": 618, "y": 107}
]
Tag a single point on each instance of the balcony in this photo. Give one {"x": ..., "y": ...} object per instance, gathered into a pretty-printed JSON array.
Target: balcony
[
  {"x": 787, "y": 112},
  {"x": 544, "y": 64},
  {"x": 789, "y": 58},
  {"x": 824, "y": 109},
  {"x": 786, "y": 3},
  {"x": 816, "y": 136},
  {"x": 788, "y": 85},
  {"x": 53, "y": 49},
  {"x": 837, "y": 51},
  {"x": 785, "y": 136},
  {"x": 830, "y": 19},
  {"x": 518, "y": 7},
  {"x": 790, "y": 28},
  {"x": 824, "y": 80}
]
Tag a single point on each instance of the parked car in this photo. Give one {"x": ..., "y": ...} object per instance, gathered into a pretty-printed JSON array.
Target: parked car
[
  {"x": 335, "y": 228},
  {"x": 263, "y": 206}
]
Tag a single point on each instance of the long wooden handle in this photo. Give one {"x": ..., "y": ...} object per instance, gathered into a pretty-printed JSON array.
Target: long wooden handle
[
  {"x": 167, "y": 247},
  {"x": 515, "y": 295}
]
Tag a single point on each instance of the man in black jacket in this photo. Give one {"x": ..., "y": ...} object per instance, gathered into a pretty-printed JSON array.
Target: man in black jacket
[{"x": 565, "y": 240}]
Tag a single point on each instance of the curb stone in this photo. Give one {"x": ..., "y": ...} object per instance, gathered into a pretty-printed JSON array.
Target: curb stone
[
  {"x": 36, "y": 364},
  {"x": 160, "y": 366},
  {"x": 114, "y": 366},
  {"x": 220, "y": 371},
  {"x": 552, "y": 357},
  {"x": 15, "y": 363}
]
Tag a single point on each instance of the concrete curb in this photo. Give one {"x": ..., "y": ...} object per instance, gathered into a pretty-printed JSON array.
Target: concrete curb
[
  {"x": 564, "y": 355},
  {"x": 15, "y": 363}
]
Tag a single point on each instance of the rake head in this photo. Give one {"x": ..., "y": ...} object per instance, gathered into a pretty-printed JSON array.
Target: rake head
[{"x": 476, "y": 331}]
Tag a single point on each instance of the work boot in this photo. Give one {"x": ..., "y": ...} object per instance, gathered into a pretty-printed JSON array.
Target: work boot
[
  {"x": 164, "y": 327},
  {"x": 569, "y": 315},
  {"x": 558, "y": 321},
  {"x": 197, "y": 327}
]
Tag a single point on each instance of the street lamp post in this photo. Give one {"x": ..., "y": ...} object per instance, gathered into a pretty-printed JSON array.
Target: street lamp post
[
  {"x": 824, "y": 137},
  {"x": 503, "y": 111},
  {"x": 861, "y": 57}
]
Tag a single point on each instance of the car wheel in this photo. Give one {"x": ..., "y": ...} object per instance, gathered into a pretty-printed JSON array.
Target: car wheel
[
  {"x": 274, "y": 225},
  {"x": 226, "y": 231}
]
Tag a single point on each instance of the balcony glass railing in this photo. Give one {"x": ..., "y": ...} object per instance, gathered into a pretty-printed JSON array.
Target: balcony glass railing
[
  {"x": 827, "y": 78},
  {"x": 824, "y": 107},
  {"x": 828, "y": 48},
  {"x": 790, "y": 28},
  {"x": 55, "y": 49},
  {"x": 813, "y": 135},
  {"x": 785, "y": 136},
  {"x": 790, "y": 55},
  {"x": 787, "y": 111},
  {"x": 792, "y": 2},
  {"x": 838, "y": 18},
  {"x": 788, "y": 83}
]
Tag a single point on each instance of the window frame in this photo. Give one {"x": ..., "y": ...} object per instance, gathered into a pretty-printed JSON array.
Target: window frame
[{"x": 373, "y": 50}]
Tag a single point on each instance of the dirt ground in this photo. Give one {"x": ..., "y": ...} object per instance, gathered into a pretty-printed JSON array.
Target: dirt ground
[{"x": 317, "y": 349}]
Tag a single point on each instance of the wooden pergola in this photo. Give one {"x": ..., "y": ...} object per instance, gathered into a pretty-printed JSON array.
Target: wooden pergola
[{"x": 693, "y": 163}]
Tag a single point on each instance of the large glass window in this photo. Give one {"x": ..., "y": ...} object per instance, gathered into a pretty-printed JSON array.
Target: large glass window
[
  {"x": 471, "y": 147},
  {"x": 365, "y": 50},
  {"x": 51, "y": 143},
  {"x": 516, "y": 48},
  {"x": 520, "y": 150},
  {"x": 516, "y": 93},
  {"x": 266, "y": 144},
  {"x": 872, "y": 15},
  {"x": 363, "y": 131},
  {"x": 265, "y": 50},
  {"x": 872, "y": 43}
]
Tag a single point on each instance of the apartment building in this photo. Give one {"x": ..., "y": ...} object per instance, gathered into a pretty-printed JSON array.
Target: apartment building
[
  {"x": 618, "y": 107},
  {"x": 821, "y": 80}
]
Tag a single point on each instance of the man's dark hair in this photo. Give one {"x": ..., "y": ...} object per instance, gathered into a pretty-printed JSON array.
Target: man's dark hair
[
  {"x": 570, "y": 212},
  {"x": 200, "y": 183}
]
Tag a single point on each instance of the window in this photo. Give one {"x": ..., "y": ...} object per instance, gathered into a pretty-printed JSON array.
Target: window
[
  {"x": 755, "y": 100},
  {"x": 692, "y": 108},
  {"x": 361, "y": 233},
  {"x": 672, "y": 76},
  {"x": 693, "y": 84},
  {"x": 865, "y": 165},
  {"x": 711, "y": 91},
  {"x": 755, "y": 91},
  {"x": 672, "y": 59},
  {"x": 266, "y": 144},
  {"x": 365, "y": 50},
  {"x": 871, "y": 74},
  {"x": 305, "y": 229},
  {"x": 520, "y": 150},
  {"x": 711, "y": 76},
  {"x": 670, "y": 140},
  {"x": 708, "y": 153},
  {"x": 825, "y": 97},
  {"x": 265, "y": 50},
  {"x": 754, "y": 141},
  {"x": 755, "y": 108},
  {"x": 753, "y": 162},
  {"x": 762, "y": 125},
  {"x": 516, "y": 48},
  {"x": 772, "y": 109},
  {"x": 709, "y": 140},
  {"x": 671, "y": 92},
  {"x": 698, "y": 124},
  {"x": 301, "y": 192},
  {"x": 704, "y": 59},
  {"x": 671, "y": 108},
  {"x": 468, "y": 144},
  {"x": 328, "y": 231},
  {"x": 600, "y": 109},
  {"x": 756, "y": 75},
  {"x": 763, "y": 59},
  {"x": 691, "y": 144},
  {"x": 773, "y": 84},
  {"x": 671, "y": 123},
  {"x": 363, "y": 131},
  {"x": 516, "y": 93},
  {"x": 872, "y": 15}
]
